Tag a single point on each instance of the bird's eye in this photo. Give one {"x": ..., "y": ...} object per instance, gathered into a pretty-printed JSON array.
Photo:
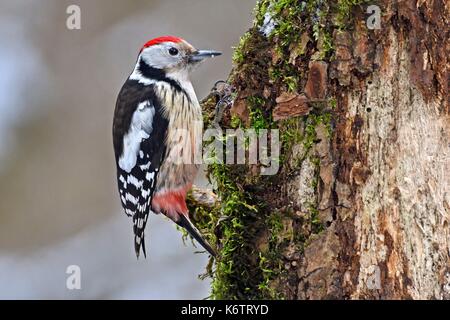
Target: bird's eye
[{"x": 173, "y": 51}]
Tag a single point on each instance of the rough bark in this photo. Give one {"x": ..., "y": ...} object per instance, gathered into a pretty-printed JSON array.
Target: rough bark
[
  {"x": 391, "y": 156},
  {"x": 363, "y": 196}
]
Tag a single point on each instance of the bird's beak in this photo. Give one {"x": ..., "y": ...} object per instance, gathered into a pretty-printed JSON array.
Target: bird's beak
[{"x": 201, "y": 55}]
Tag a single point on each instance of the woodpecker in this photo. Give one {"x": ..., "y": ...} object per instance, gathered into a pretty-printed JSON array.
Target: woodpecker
[{"x": 156, "y": 100}]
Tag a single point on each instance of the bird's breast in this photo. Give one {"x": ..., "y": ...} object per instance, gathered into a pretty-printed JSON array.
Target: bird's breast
[{"x": 183, "y": 141}]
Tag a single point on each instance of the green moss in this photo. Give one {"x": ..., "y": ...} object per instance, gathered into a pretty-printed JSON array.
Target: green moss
[
  {"x": 290, "y": 133},
  {"x": 270, "y": 260},
  {"x": 260, "y": 11},
  {"x": 258, "y": 120},
  {"x": 235, "y": 122},
  {"x": 287, "y": 31},
  {"x": 238, "y": 274},
  {"x": 255, "y": 101},
  {"x": 286, "y": 74},
  {"x": 240, "y": 51},
  {"x": 324, "y": 43},
  {"x": 205, "y": 219},
  {"x": 310, "y": 130},
  {"x": 316, "y": 224},
  {"x": 287, "y": 14},
  {"x": 293, "y": 18},
  {"x": 237, "y": 214},
  {"x": 241, "y": 271},
  {"x": 274, "y": 224},
  {"x": 344, "y": 10},
  {"x": 208, "y": 106},
  {"x": 332, "y": 103},
  {"x": 266, "y": 265}
]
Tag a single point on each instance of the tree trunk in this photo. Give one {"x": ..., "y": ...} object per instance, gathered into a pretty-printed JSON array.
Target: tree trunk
[{"x": 360, "y": 206}]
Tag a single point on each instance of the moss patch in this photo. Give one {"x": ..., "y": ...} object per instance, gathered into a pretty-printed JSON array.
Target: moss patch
[{"x": 258, "y": 234}]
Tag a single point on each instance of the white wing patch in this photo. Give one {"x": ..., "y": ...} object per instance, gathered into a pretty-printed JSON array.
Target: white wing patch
[{"x": 141, "y": 127}]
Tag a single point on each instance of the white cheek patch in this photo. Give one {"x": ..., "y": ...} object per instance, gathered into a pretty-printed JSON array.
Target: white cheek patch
[
  {"x": 158, "y": 56},
  {"x": 141, "y": 127}
]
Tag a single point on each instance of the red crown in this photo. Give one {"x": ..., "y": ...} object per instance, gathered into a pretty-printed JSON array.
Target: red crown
[{"x": 161, "y": 40}]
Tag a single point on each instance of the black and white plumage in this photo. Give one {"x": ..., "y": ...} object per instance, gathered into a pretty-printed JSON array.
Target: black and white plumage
[
  {"x": 139, "y": 149},
  {"x": 155, "y": 101}
]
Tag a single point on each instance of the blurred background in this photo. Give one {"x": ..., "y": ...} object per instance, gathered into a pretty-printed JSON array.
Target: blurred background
[{"x": 58, "y": 197}]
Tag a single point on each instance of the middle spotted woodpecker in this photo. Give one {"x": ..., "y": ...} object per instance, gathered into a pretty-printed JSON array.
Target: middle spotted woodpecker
[{"x": 156, "y": 103}]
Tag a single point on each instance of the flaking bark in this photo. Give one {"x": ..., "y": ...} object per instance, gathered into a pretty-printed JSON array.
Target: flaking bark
[{"x": 363, "y": 195}]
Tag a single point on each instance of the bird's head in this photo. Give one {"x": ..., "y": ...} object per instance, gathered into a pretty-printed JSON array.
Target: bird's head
[{"x": 173, "y": 55}]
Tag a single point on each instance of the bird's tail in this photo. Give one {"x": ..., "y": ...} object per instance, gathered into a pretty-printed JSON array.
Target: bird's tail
[
  {"x": 185, "y": 223},
  {"x": 139, "y": 242}
]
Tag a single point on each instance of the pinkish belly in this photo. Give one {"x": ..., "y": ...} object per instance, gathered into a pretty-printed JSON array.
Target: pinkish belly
[
  {"x": 173, "y": 182},
  {"x": 171, "y": 203}
]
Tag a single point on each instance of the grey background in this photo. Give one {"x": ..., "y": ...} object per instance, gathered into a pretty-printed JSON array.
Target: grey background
[{"x": 58, "y": 198}]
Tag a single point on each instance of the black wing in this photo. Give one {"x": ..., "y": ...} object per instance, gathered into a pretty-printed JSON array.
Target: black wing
[{"x": 139, "y": 132}]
